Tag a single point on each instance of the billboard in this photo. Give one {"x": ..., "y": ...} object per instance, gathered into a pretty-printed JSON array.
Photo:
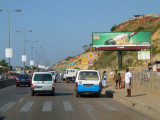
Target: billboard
[
  {"x": 143, "y": 55},
  {"x": 121, "y": 40}
]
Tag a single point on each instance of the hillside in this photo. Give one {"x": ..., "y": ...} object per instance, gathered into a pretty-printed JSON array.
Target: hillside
[{"x": 108, "y": 60}]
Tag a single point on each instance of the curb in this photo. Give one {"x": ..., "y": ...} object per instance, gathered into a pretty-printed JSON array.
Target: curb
[{"x": 136, "y": 104}]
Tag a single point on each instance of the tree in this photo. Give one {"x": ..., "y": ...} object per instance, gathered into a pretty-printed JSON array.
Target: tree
[
  {"x": 113, "y": 28},
  {"x": 85, "y": 47},
  {"x": 3, "y": 63}
]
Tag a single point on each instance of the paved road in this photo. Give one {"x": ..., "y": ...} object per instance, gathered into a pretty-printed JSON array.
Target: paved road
[{"x": 18, "y": 104}]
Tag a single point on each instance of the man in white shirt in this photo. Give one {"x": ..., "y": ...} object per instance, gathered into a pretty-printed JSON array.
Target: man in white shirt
[{"x": 128, "y": 77}]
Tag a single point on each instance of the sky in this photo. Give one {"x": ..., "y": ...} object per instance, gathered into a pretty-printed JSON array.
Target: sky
[{"x": 62, "y": 27}]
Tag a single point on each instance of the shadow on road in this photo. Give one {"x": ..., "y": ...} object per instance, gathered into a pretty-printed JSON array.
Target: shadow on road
[
  {"x": 2, "y": 118},
  {"x": 62, "y": 94}
]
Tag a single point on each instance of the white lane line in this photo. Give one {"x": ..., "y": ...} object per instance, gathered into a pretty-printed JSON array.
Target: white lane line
[
  {"x": 7, "y": 106},
  {"x": 27, "y": 106},
  {"x": 89, "y": 109},
  {"x": 107, "y": 106},
  {"x": 67, "y": 106},
  {"x": 47, "y": 106},
  {"x": 21, "y": 100}
]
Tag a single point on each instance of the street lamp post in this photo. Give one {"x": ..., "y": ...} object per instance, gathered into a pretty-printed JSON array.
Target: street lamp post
[
  {"x": 16, "y": 10},
  {"x": 24, "y": 54}
]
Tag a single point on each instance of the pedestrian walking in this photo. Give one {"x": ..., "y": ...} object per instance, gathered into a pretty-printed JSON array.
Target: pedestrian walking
[
  {"x": 104, "y": 78},
  {"x": 60, "y": 75},
  {"x": 119, "y": 80},
  {"x": 116, "y": 79},
  {"x": 128, "y": 77}
]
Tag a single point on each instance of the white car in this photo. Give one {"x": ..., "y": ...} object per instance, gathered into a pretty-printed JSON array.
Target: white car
[
  {"x": 42, "y": 82},
  {"x": 54, "y": 75}
]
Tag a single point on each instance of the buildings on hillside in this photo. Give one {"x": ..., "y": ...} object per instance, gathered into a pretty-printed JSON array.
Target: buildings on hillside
[{"x": 143, "y": 16}]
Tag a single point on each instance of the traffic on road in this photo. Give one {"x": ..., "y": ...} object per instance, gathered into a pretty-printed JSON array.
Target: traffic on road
[{"x": 80, "y": 99}]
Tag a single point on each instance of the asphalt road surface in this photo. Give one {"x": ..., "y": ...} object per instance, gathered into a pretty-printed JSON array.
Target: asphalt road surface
[{"x": 16, "y": 103}]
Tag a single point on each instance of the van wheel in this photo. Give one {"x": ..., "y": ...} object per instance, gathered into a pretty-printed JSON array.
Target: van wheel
[
  {"x": 32, "y": 93},
  {"x": 17, "y": 85},
  {"x": 53, "y": 93},
  {"x": 67, "y": 81},
  {"x": 97, "y": 95},
  {"x": 77, "y": 95}
]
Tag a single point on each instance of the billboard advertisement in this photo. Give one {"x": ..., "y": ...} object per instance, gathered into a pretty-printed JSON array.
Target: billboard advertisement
[
  {"x": 143, "y": 55},
  {"x": 121, "y": 40}
]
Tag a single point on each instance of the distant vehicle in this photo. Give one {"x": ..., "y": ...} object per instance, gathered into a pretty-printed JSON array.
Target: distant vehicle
[
  {"x": 42, "y": 82},
  {"x": 71, "y": 74},
  {"x": 64, "y": 76},
  {"x": 12, "y": 76},
  {"x": 23, "y": 80},
  {"x": 88, "y": 82},
  {"x": 54, "y": 75}
]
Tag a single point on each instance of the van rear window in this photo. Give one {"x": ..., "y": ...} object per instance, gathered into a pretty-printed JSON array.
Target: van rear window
[
  {"x": 87, "y": 75},
  {"x": 42, "y": 77}
]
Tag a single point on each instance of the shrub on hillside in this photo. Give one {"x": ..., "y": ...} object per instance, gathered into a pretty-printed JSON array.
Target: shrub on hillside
[{"x": 113, "y": 28}]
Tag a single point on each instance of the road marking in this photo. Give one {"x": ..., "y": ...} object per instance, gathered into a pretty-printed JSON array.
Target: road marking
[
  {"x": 88, "y": 108},
  {"x": 27, "y": 106},
  {"x": 67, "y": 106},
  {"x": 21, "y": 100},
  {"x": 47, "y": 106},
  {"x": 107, "y": 106},
  {"x": 7, "y": 106}
]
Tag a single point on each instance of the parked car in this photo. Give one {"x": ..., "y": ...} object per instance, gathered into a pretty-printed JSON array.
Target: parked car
[
  {"x": 12, "y": 76},
  {"x": 88, "y": 82},
  {"x": 71, "y": 74},
  {"x": 23, "y": 80},
  {"x": 42, "y": 82},
  {"x": 64, "y": 76}
]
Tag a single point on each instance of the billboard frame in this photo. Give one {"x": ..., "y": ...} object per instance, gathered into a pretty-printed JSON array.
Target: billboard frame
[{"x": 122, "y": 47}]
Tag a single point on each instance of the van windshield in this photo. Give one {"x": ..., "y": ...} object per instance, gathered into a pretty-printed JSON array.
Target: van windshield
[
  {"x": 42, "y": 77},
  {"x": 87, "y": 75}
]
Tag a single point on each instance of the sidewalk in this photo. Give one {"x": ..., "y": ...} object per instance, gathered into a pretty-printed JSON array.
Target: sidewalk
[{"x": 143, "y": 101}]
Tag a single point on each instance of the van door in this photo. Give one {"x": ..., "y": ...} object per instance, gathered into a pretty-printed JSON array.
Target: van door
[
  {"x": 88, "y": 81},
  {"x": 43, "y": 82}
]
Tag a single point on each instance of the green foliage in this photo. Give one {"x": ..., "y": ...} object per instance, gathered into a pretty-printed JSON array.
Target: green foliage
[
  {"x": 3, "y": 63},
  {"x": 124, "y": 53},
  {"x": 67, "y": 59},
  {"x": 85, "y": 47},
  {"x": 77, "y": 68},
  {"x": 140, "y": 28},
  {"x": 108, "y": 52},
  {"x": 113, "y": 28}
]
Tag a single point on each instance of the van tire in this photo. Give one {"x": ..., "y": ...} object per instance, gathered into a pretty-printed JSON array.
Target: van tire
[
  {"x": 32, "y": 93},
  {"x": 17, "y": 85},
  {"x": 77, "y": 95},
  {"x": 97, "y": 95},
  {"x": 53, "y": 93}
]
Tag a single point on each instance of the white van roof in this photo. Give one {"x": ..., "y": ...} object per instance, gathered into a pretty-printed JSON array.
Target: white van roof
[{"x": 42, "y": 73}]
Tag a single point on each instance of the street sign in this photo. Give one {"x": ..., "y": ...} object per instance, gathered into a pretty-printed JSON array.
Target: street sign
[
  {"x": 90, "y": 55},
  {"x": 90, "y": 62}
]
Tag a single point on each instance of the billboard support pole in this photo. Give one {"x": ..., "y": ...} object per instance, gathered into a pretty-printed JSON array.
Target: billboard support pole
[{"x": 119, "y": 59}]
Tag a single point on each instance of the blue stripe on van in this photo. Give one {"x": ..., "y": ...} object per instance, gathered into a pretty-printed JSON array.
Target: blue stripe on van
[{"x": 93, "y": 88}]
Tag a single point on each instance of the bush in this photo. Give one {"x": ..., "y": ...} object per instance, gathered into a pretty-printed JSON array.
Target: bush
[
  {"x": 113, "y": 28},
  {"x": 140, "y": 28}
]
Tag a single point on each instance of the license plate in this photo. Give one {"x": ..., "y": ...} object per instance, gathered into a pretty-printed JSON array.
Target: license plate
[
  {"x": 88, "y": 85},
  {"x": 37, "y": 86},
  {"x": 22, "y": 79}
]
